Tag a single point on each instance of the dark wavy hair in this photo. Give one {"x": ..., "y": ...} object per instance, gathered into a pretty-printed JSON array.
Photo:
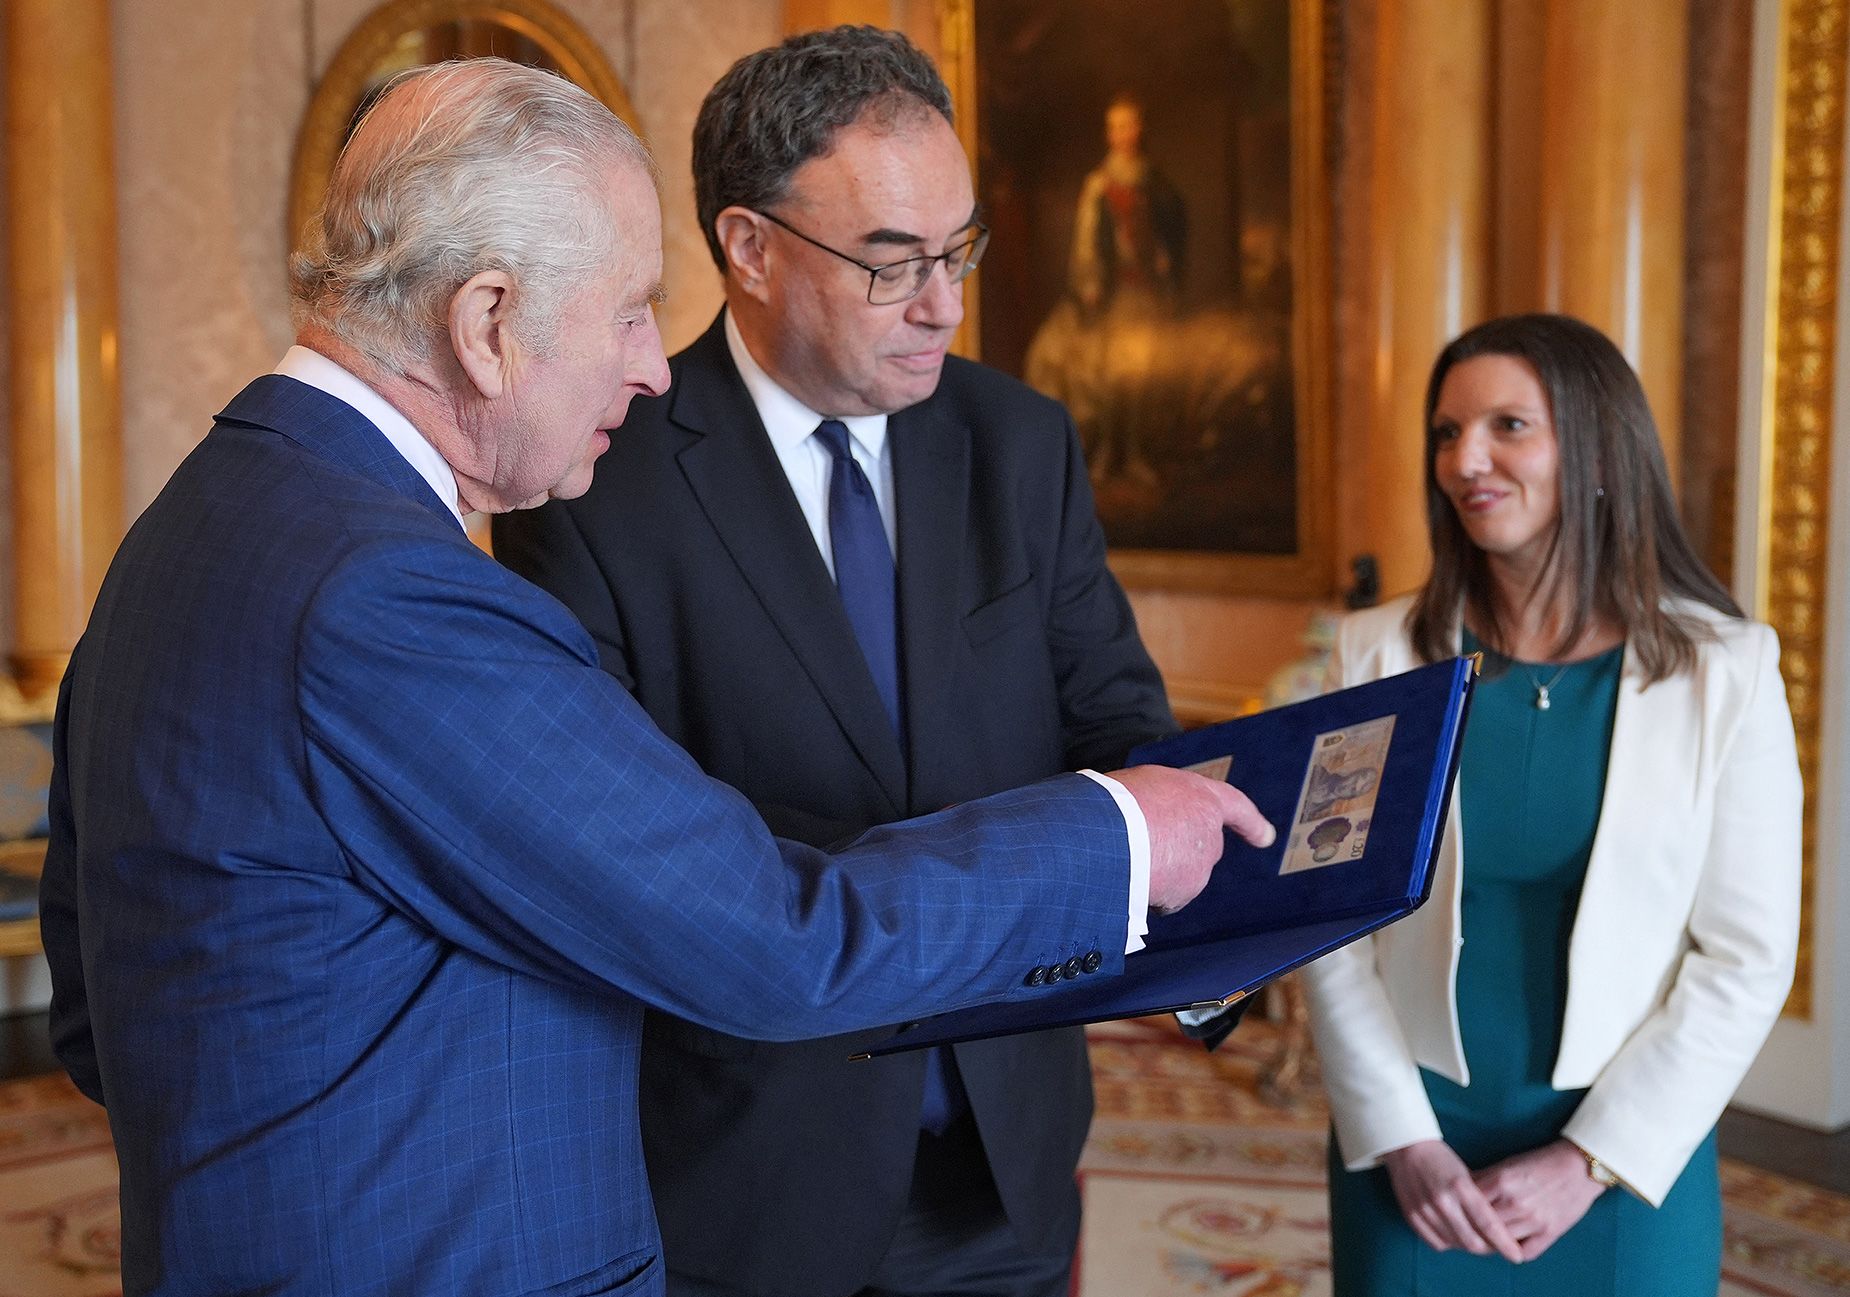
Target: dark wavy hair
[
  {"x": 1620, "y": 551},
  {"x": 778, "y": 108}
]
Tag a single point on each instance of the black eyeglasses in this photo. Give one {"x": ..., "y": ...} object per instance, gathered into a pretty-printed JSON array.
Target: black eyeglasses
[{"x": 901, "y": 281}]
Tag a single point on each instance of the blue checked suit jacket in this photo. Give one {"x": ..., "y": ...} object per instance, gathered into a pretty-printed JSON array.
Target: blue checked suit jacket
[{"x": 362, "y": 872}]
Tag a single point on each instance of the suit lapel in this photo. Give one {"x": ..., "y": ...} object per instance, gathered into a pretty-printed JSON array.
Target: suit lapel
[
  {"x": 735, "y": 475},
  {"x": 1646, "y": 725},
  {"x": 931, "y": 466}
]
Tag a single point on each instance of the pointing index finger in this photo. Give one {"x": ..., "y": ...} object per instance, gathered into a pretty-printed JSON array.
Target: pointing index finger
[{"x": 1239, "y": 814}]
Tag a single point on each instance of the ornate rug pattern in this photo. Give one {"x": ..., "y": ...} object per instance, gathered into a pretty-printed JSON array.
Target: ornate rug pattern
[
  {"x": 1194, "y": 1185},
  {"x": 60, "y": 1234}
]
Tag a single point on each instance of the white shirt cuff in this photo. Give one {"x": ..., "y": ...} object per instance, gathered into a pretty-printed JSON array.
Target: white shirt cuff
[{"x": 1139, "y": 834}]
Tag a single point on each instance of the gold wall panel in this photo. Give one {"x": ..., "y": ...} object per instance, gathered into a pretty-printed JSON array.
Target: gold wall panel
[
  {"x": 1435, "y": 148},
  {"x": 1795, "y": 463},
  {"x": 1610, "y": 193}
]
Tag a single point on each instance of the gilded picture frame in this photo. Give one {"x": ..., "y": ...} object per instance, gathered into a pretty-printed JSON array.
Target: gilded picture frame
[
  {"x": 398, "y": 35},
  {"x": 1203, "y": 394}
]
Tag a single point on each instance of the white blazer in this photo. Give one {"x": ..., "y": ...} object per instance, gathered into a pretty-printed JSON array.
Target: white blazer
[{"x": 1682, "y": 948}]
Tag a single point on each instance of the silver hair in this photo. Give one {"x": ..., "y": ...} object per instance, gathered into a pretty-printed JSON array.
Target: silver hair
[{"x": 501, "y": 167}]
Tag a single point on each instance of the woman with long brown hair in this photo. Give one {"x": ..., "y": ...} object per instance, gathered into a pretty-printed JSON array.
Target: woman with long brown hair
[{"x": 1525, "y": 1075}]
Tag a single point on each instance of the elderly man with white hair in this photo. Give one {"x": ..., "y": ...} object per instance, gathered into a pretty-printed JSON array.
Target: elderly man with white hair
[{"x": 362, "y": 871}]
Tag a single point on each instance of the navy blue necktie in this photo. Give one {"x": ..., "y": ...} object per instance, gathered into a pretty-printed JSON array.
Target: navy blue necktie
[
  {"x": 864, "y": 569},
  {"x": 864, "y": 576}
]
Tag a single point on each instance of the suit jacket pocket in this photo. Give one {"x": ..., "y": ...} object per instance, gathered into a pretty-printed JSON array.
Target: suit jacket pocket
[
  {"x": 991, "y": 619},
  {"x": 630, "y": 1273},
  {"x": 664, "y": 1029}
]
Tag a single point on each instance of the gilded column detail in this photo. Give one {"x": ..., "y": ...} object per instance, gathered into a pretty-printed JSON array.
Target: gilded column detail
[
  {"x": 1795, "y": 464},
  {"x": 66, "y": 416}
]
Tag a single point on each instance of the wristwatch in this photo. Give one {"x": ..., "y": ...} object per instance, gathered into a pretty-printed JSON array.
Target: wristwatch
[{"x": 1598, "y": 1170}]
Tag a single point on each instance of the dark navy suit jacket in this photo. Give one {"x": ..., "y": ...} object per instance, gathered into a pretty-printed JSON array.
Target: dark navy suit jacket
[
  {"x": 361, "y": 872},
  {"x": 782, "y": 1170}
]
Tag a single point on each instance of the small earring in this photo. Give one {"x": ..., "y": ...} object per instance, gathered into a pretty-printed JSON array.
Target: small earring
[{"x": 1599, "y": 493}]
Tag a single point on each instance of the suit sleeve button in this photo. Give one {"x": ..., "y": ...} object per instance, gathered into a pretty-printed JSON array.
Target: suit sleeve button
[
  {"x": 1092, "y": 962},
  {"x": 1036, "y": 975},
  {"x": 1054, "y": 973},
  {"x": 1073, "y": 967}
]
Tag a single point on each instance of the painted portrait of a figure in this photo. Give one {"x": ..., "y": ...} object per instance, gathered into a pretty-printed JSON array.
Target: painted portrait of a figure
[
  {"x": 1095, "y": 348},
  {"x": 1135, "y": 165}
]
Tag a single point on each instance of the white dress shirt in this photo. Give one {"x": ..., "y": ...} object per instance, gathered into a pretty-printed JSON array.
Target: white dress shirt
[{"x": 791, "y": 425}]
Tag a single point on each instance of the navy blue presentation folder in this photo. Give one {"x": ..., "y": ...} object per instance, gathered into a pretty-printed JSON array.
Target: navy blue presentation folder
[{"x": 1362, "y": 838}]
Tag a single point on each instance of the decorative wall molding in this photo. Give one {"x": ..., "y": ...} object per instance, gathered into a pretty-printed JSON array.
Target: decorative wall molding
[{"x": 1791, "y": 478}]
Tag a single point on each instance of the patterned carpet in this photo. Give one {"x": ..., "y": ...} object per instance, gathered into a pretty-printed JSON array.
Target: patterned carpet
[
  {"x": 1194, "y": 1185},
  {"x": 59, "y": 1231}
]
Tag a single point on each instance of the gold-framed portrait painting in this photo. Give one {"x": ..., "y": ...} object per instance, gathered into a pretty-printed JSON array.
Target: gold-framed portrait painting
[{"x": 1155, "y": 181}]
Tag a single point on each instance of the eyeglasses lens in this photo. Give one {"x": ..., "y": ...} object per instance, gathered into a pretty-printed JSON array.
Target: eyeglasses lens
[{"x": 905, "y": 280}]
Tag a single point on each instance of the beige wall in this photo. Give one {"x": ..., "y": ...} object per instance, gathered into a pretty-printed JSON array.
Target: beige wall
[
  {"x": 207, "y": 110},
  {"x": 205, "y": 113}
]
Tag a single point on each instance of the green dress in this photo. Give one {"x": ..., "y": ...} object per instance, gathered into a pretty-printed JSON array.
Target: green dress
[{"x": 1531, "y": 782}]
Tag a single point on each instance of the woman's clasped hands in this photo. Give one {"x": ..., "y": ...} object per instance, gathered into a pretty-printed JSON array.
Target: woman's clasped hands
[{"x": 1516, "y": 1208}]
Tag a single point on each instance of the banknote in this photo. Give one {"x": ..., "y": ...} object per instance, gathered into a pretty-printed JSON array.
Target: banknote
[
  {"x": 1337, "y": 803},
  {"x": 1214, "y": 768}
]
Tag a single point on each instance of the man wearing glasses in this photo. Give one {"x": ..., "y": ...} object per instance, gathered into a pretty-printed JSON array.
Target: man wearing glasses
[{"x": 857, "y": 580}]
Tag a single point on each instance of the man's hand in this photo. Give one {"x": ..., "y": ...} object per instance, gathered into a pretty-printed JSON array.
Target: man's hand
[
  {"x": 1186, "y": 814},
  {"x": 1443, "y": 1203},
  {"x": 1540, "y": 1194}
]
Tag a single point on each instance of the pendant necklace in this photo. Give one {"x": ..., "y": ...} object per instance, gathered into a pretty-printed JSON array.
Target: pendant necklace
[{"x": 1541, "y": 690}]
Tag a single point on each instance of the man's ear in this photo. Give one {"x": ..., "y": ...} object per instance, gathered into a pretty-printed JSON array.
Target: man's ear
[
  {"x": 741, "y": 233},
  {"x": 481, "y": 332}
]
